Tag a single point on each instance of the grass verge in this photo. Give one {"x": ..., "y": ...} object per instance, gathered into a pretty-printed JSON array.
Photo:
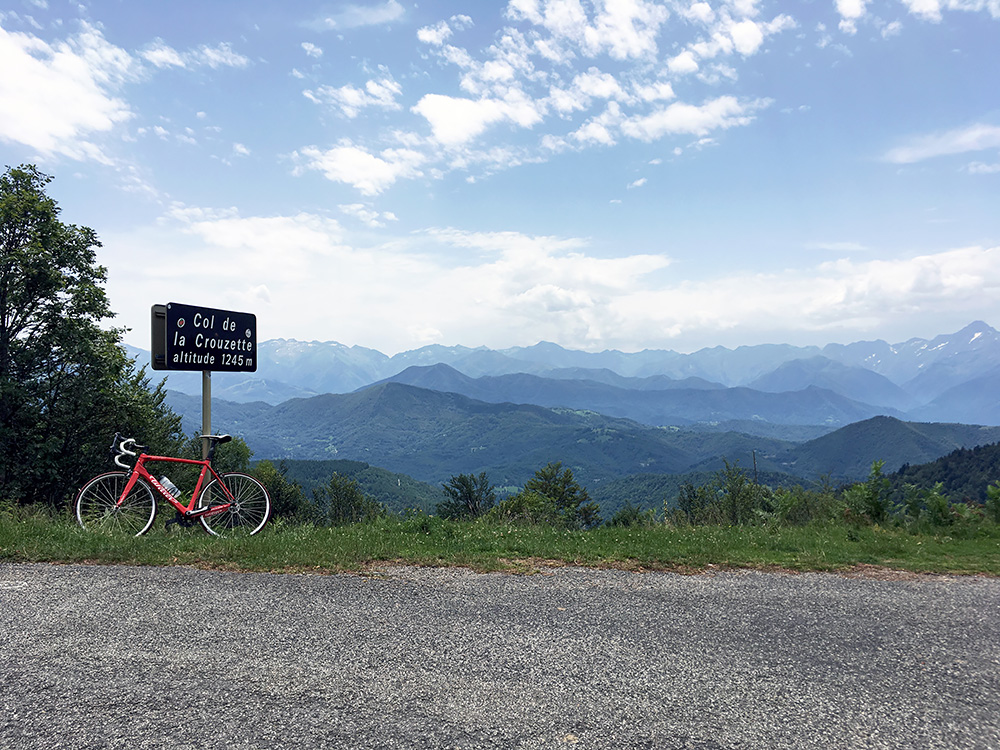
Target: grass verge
[{"x": 430, "y": 541}]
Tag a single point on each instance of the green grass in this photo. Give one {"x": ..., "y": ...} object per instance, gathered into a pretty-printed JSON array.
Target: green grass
[{"x": 429, "y": 541}]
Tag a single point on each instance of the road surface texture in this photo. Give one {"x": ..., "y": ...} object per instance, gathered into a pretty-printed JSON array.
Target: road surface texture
[{"x": 128, "y": 657}]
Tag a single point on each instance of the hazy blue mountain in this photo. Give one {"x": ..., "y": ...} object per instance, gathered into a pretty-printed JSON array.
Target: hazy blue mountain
[
  {"x": 676, "y": 406},
  {"x": 850, "y": 381},
  {"x": 741, "y": 366},
  {"x": 227, "y": 416},
  {"x": 248, "y": 388},
  {"x": 968, "y": 353},
  {"x": 319, "y": 367},
  {"x": 650, "y": 383},
  {"x": 975, "y": 401},
  {"x": 552, "y": 356}
]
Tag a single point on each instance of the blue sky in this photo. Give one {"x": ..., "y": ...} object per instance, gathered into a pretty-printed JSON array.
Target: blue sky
[{"x": 599, "y": 173}]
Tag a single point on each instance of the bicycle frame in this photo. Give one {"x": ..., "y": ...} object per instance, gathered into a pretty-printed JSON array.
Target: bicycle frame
[{"x": 190, "y": 510}]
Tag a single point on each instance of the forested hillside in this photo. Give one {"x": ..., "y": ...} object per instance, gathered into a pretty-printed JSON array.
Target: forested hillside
[{"x": 965, "y": 473}]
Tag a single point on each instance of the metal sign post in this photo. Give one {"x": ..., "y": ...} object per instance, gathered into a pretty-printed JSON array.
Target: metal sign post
[
  {"x": 206, "y": 410},
  {"x": 189, "y": 338}
]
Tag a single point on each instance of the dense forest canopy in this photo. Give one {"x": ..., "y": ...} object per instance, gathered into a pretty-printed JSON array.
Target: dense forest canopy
[{"x": 66, "y": 385}]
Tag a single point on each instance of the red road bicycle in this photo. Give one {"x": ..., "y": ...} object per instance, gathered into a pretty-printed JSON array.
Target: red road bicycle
[{"x": 123, "y": 502}]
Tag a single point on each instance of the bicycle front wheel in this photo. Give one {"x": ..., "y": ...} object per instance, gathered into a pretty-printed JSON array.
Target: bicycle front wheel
[
  {"x": 98, "y": 509},
  {"x": 249, "y": 509}
]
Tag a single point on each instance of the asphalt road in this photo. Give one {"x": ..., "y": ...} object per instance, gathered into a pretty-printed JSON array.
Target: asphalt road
[{"x": 123, "y": 657}]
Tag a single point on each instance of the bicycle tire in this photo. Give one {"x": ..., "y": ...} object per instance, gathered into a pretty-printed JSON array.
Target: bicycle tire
[
  {"x": 97, "y": 507},
  {"x": 248, "y": 513}
]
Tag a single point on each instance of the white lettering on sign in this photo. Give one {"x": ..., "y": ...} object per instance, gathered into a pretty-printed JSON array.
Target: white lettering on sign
[
  {"x": 203, "y": 342},
  {"x": 193, "y": 358}
]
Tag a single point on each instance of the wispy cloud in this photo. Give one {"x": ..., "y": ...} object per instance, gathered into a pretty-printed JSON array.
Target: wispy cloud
[
  {"x": 162, "y": 55},
  {"x": 355, "y": 16},
  {"x": 350, "y": 100},
  {"x": 978, "y": 137},
  {"x": 836, "y": 247},
  {"x": 312, "y": 50}
]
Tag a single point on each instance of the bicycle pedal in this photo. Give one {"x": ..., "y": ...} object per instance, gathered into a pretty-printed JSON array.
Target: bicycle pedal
[{"x": 179, "y": 520}]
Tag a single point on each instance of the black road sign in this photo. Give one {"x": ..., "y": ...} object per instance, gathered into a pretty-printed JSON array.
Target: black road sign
[{"x": 185, "y": 337}]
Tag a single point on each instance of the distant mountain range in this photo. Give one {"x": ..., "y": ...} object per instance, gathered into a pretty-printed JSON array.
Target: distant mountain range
[
  {"x": 617, "y": 419},
  {"x": 950, "y": 378}
]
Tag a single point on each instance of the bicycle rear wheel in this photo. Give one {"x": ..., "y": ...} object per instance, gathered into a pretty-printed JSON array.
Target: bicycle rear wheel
[
  {"x": 98, "y": 509},
  {"x": 249, "y": 511}
]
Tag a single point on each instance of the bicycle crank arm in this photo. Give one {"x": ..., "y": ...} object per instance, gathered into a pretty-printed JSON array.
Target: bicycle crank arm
[{"x": 209, "y": 511}]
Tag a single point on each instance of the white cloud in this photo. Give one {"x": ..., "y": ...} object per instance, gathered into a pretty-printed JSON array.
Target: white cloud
[
  {"x": 836, "y": 247},
  {"x": 683, "y": 62},
  {"x": 220, "y": 56},
  {"x": 701, "y": 12},
  {"x": 652, "y": 92},
  {"x": 930, "y": 10},
  {"x": 368, "y": 173},
  {"x": 367, "y": 215},
  {"x": 851, "y": 11},
  {"x": 840, "y": 295},
  {"x": 679, "y": 118},
  {"x": 891, "y": 29},
  {"x": 601, "y": 129},
  {"x": 63, "y": 95},
  {"x": 598, "y": 85},
  {"x": 350, "y": 100},
  {"x": 623, "y": 29},
  {"x": 356, "y": 16},
  {"x": 161, "y": 55},
  {"x": 312, "y": 50},
  {"x": 747, "y": 37},
  {"x": 435, "y": 35},
  {"x": 976, "y": 137},
  {"x": 978, "y": 167},
  {"x": 455, "y": 121},
  {"x": 637, "y": 183}
]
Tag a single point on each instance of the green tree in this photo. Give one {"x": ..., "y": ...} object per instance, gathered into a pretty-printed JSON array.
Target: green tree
[
  {"x": 288, "y": 500},
  {"x": 469, "y": 497},
  {"x": 870, "y": 499},
  {"x": 341, "y": 502},
  {"x": 993, "y": 502},
  {"x": 572, "y": 501},
  {"x": 66, "y": 386},
  {"x": 742, "y": 500},
  {"x": 694, "y": 503}
]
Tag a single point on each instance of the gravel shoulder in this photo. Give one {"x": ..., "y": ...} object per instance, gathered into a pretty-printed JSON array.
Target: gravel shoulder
[{"x": 129, "y": 657}]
